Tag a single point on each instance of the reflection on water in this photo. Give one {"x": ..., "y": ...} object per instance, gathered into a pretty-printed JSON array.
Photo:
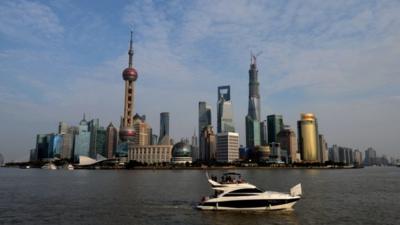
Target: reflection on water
[
  {"x": 34, "y": 196},
  {"x": 267, "y": 217}
]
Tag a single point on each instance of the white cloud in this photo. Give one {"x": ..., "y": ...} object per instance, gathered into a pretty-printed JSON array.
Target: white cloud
[{"x": 30, "y": 21}]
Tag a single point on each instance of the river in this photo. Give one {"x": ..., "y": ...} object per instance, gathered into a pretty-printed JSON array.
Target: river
[{"x": 330, "y": 196}]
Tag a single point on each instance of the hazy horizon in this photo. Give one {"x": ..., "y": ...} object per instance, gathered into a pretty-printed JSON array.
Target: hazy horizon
[{"x": 336, "y": 59}]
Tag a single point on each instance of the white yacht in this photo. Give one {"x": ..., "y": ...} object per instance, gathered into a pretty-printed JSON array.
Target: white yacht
[{"x": 233, "y": 193}]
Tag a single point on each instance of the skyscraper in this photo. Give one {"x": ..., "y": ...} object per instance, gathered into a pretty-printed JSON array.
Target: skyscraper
[
  {"x": 142, "y": 129},
  {"x": 195, "y": 146},
  {"x": 100, "y": 143},
  {"x": 207, "y": 144},
  {"x": 62, "y": 128},
  {"x": 254, "y": 92},
  {"x": 323, "y": 149},
  {"x": 264, "y": 133},
  {"x": 204, "y": 116},
  {"x": 308, "y": 137},
  {"x": 224, "y": 110},
  {"x": 357, "y": 157},
  {"x": 275, "y": 125},
  {"x": 129, "y": 75},
  {"x": 82, "y": 140},
  {"x": 204, "y": 121},
  {"x": 253, "y": 115},
  {"x": 334, "y": 154},
  {"x": 67, "y": 134},
  {"x": 227, "y": 147},
  {"x": 1, "y": 160},
  {"x": 164, "y": 138},
  {"x": 288, "y": 142},
  {"x": 370, "y": 157},
  {"x": 111, "y": 141},
  {"x": 93, "y": 126},
  {"x": 253, "y": 137}
]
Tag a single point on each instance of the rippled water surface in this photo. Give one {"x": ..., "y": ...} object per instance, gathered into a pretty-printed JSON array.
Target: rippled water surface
[{"x": 348, "y": 196}]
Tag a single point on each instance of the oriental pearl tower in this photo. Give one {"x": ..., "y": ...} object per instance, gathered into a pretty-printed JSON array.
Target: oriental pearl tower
[{"x": 127, "y": 132}]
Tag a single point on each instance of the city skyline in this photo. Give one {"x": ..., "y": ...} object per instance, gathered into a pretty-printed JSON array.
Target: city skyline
[{"x": 344, "y": 71}]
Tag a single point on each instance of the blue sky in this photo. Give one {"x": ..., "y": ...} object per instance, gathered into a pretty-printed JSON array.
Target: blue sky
[{"x": 338, "y": 59}]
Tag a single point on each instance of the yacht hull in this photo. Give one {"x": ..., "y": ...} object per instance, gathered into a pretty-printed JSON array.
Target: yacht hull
[{"x": 261, "y": 205}]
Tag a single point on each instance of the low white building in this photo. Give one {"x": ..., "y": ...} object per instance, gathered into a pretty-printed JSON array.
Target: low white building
[{"x": 150, "y": 153}]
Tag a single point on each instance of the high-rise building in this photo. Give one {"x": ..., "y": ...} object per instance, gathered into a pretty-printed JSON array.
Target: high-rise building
[
  {"x": 111, "y": 141},
  {"x": 129, "y": 75},
  {"x": 357, "y": 157},
  {"x": 227, "y": 147},
  {"x": 195, "y": 146},
  {"x": 288, "y": 141},
  {"x": 254, "y": 110},
  {"x": 224, "y": 110},
  {"x": 334, "y": 154},
  {"x": 370, "y": 157},
  {"x": 164, "y": 138},
  {"x": 308, "y": 137},
  {"x": 350, "y": 156},
  {"x": 149, "y": 134},
  {"x": 100, "y": 144},
  {"x": 253, "y": 115},
  {"x": 154, "y": 139},
  {"x": 276, "y": 152},
  {"x": 142, "y": 129},
  {"x": 323, "y": 149},
  {"x": 252, "y": 133},
  {"x": 62, "y": 128},
  {"x": 42, "y": 146},
  {"x": 207, "y": 145},
  {"x": 1, "y": 160},
  {"x": 264, "y": 133},
  {"x": 275, "y": 125},
  {"x": 33, "y": 156},
  {"x": 94, "y": 126},
  {"x": 82, "y": 140},
  {"x": 204, "y": 117},
  {"x": 67, "y": 146},
  {"x": 49, "y": 146}
]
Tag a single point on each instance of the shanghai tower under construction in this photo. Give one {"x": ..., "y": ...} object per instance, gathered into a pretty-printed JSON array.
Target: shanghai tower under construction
[{"x": 254, "y": 111}]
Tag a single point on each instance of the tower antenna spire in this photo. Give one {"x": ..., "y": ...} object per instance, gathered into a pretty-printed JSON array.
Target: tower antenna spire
[{"x": 130, "y": 52}]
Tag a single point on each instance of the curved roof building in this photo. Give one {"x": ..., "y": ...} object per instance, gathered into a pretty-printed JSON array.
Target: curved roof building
[{"x": 181, "y": 153}]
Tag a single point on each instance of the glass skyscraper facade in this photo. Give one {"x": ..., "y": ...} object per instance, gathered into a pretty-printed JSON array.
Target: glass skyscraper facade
[
  {"x": 49, "y": 146},
  {"x": 274, "y": 125},
  {"x": 82, "y": 140},
  {"x": 224, "y": 110},
  {"x": 100, "y": 143},
  {"x": 253, "y": 132},
  {"x": 204, "y": 116},
  {"x": 264, "y": 133},
  {"x": 111, "y": 141},
  {"x": 164, "y": 137},
  {"x": 308, "y": 137}
]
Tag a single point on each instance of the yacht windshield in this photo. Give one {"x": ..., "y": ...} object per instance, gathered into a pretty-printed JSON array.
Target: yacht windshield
[{"x": 244, "y": 192}]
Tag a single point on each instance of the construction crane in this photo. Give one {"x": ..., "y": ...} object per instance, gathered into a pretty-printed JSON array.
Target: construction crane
[{"x": 253, "y": 57}]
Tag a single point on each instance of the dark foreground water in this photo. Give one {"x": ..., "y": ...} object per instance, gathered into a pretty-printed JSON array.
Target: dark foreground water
[{"x": 348, "y": 196}]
